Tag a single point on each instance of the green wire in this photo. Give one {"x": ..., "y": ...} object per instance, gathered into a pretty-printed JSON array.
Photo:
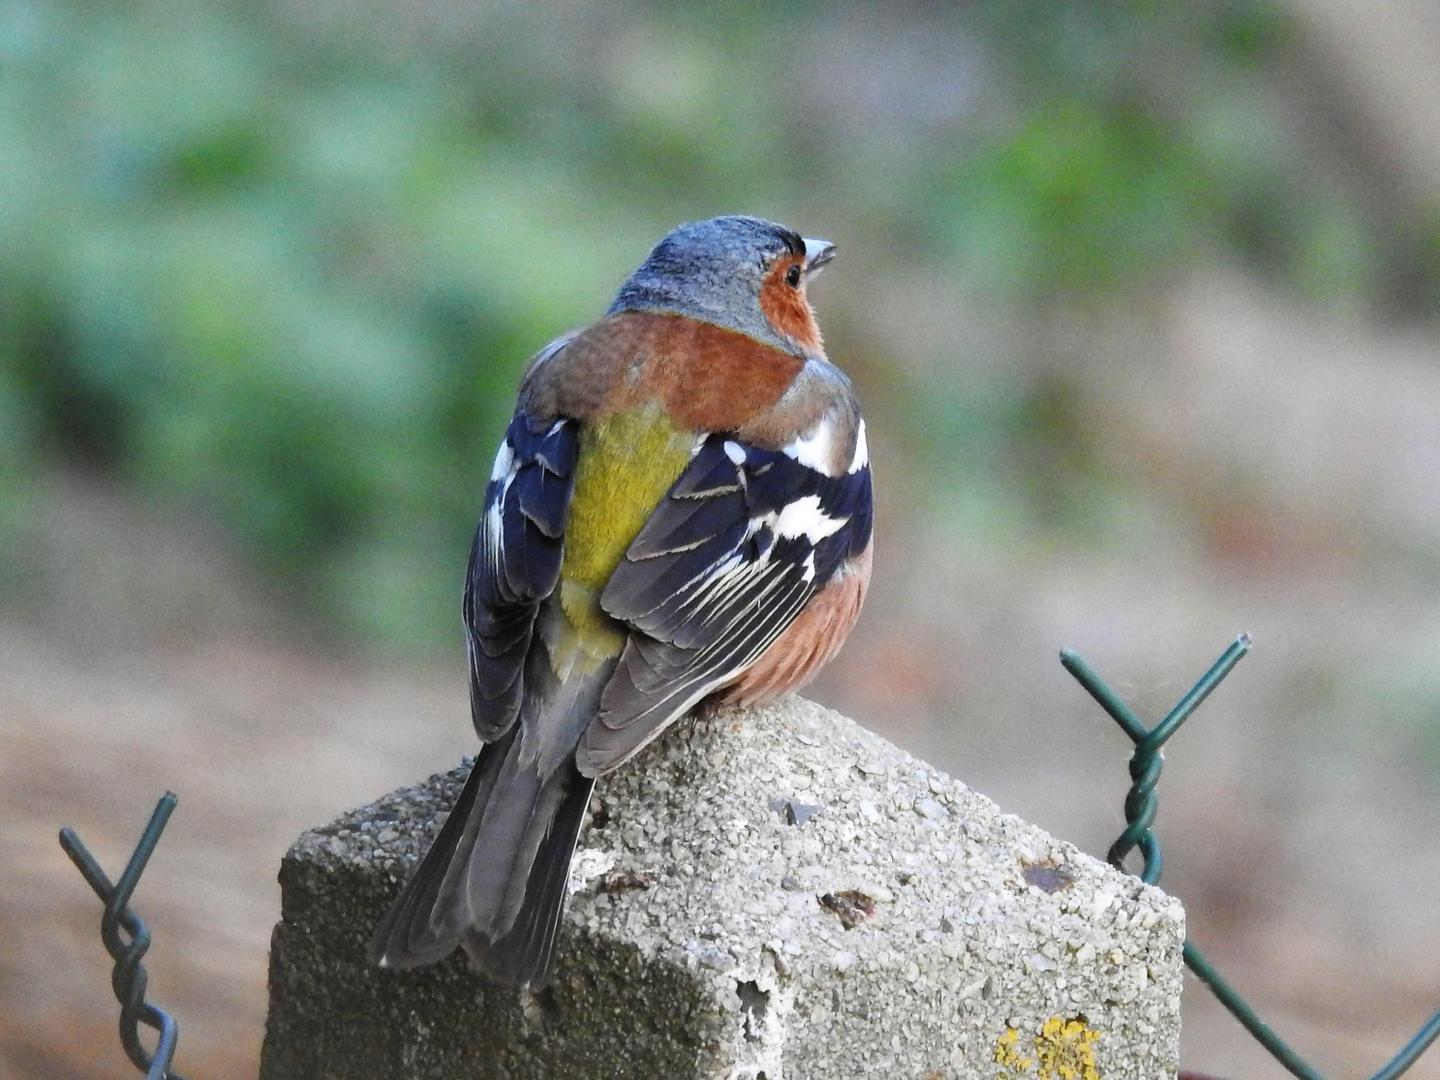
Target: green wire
[{"x": 1140, "y": 807}]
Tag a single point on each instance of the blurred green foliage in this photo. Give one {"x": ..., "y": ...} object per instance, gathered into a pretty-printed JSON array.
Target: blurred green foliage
[{"x": 284, "y": 261}]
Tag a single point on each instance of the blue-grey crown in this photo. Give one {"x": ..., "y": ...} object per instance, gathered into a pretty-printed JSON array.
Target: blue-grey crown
[{"x": 712, "y": 270}]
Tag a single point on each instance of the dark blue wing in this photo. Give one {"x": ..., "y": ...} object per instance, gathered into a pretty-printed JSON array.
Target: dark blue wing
[
  {"x": 515, "y": 562},
  {"x": 732, "y": 555}
]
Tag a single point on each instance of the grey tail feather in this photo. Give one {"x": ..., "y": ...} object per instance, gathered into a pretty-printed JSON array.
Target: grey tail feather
[
  {"x": 495, "y": 880},
  {"x": 524, "y": 954}
]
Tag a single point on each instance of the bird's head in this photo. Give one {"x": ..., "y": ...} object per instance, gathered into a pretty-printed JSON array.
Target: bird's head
[{"x": 741, "y": 273}]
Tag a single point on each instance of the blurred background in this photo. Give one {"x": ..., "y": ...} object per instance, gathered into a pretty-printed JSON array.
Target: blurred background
[{"x": 1140, "y": 299}]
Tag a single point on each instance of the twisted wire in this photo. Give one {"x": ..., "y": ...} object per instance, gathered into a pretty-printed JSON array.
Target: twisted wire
[
  {"x": 1141, "y": 804},
  {"x": 127, "y": 940}
]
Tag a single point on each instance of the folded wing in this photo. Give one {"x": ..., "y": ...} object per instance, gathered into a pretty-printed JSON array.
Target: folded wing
[
  {"x": 515, "y": 562},
  {"x": 723, "y": 566}
]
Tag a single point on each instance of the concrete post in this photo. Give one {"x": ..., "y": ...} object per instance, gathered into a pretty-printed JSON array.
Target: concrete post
[{"x": 775, "y": 894}]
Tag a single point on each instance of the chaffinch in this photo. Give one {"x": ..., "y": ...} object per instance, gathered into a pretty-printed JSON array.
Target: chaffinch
[{"x": 680, "y": 513}]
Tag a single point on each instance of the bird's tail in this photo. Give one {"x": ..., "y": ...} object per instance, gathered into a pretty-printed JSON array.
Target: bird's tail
[{"x": 495, "y": 879}]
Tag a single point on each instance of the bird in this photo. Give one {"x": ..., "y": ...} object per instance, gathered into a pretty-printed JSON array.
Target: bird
[{"x": 679, "y": 516}]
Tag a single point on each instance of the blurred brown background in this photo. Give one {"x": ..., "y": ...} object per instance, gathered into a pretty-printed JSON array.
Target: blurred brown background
[{"x": 1140, "y": 298}]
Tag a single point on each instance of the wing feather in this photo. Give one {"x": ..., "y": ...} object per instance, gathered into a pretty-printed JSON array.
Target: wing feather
[{"x": 515, "y": 562}]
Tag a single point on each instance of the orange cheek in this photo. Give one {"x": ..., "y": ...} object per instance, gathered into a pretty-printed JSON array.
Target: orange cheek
[{"x": 788, "y": 310}]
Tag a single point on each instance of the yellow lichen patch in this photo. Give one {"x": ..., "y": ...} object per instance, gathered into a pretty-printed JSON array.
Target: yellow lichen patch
[
  {"x": 1007, "y": 1055},
  {"x": 1064, "y": 1050}
]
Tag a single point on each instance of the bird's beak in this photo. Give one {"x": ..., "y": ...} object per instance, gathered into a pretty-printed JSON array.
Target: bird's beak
[{"x": 817, "y": 254}]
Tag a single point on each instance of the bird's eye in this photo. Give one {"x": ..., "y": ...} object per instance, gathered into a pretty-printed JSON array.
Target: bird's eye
[{"x": 792, "y": 276}]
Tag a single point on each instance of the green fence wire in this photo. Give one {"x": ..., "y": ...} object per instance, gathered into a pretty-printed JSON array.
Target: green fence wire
[
  {"x": 127, "y": 939},
  {"x": 1140, "y": 806}
]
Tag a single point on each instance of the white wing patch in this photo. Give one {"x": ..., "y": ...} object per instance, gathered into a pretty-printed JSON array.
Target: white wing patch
[
  {"x": 862, "y": 451},
  {"x": 494, "y": 532},
  {"x": 803, "y": 517},
  {"x": 503, "y": 472},
  {"x": 816, "y": 448},
  {"x": 504, "y": 466}
]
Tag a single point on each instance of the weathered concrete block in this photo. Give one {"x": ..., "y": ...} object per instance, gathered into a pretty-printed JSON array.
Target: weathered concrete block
[{"x": 763, "y": 895}]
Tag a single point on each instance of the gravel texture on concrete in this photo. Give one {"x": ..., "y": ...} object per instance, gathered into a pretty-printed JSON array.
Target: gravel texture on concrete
[{"x": 773, "y": 894}]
